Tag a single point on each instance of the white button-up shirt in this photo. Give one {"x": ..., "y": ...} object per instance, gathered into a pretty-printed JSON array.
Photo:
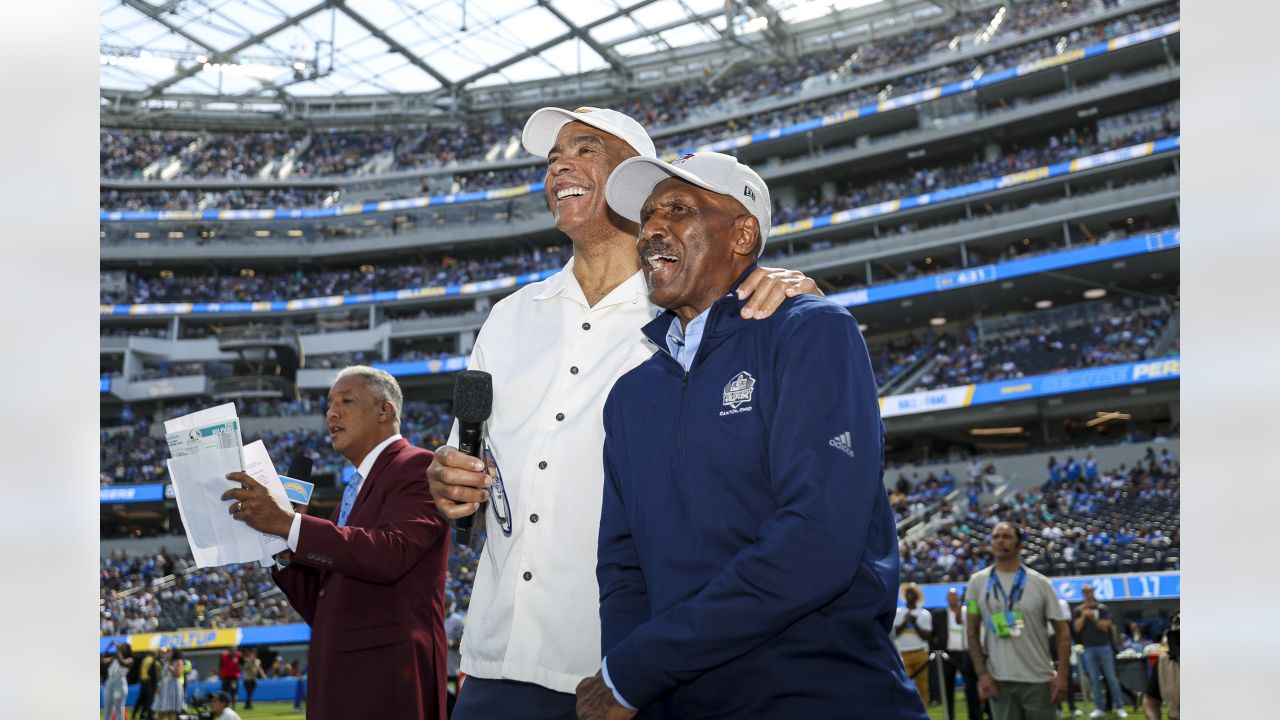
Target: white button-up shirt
[{"x": 535, "y": 606}]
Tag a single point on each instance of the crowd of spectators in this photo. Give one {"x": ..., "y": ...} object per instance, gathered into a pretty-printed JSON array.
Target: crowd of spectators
[
  {"x": 344, "y": 152},
  {"x": 165, "y": 591},
  {"x": 1045, "y": 342},
  {"x": 447, "y": 270},
  {"x": 140, "y": 593},
  {"x": 892, "y": 356},
  {"x": 236, "y": 156},
  {"x": 234, "y": 199},
  {"x": 900, "y": 51},
  {"x": 299, "y": 283},
  {"x": 1080, "y": 520},
  {"x": 135, "y": 453},
  {"x": 1067, "y": 145},
  {"x": 125, "y": 153}
]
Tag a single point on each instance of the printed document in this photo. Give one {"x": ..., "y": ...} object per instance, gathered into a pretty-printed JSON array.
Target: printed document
[{"x": 205, "y": 446}]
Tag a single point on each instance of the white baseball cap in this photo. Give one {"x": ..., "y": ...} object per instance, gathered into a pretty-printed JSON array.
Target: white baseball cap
[
  {"x": 632, "y": 182},
  {"x": 540, "y": 131}
]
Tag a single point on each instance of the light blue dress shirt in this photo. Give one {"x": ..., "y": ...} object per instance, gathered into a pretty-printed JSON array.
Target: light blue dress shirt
[{"x": 683, "y": 343}]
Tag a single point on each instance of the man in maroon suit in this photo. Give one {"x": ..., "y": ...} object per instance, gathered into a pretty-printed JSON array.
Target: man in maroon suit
[{"x": 370, "y": 579}]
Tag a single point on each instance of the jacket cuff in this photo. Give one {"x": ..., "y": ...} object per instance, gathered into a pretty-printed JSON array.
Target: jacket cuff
[{"x": 632, "y": 678}]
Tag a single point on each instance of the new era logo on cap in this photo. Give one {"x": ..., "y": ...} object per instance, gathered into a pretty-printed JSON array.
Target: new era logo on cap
[{"x": 634, "y": 180}]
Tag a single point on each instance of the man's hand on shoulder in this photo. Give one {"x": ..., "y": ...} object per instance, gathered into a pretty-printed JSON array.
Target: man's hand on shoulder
[
  {"x": 766, "y": 288},
  {"x": 596, "y": 701},
  {"x": 458, "y": 482}
]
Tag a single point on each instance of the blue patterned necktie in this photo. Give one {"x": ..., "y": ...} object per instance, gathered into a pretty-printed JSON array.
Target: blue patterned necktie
[{"x": 349, "y": 498}]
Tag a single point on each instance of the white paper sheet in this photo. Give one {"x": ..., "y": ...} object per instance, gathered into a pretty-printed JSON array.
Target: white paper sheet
[{"x": 205, "y": 446}]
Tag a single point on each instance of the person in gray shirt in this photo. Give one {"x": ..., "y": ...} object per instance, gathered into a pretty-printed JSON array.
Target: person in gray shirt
[{"x": 1009, "y": 606}]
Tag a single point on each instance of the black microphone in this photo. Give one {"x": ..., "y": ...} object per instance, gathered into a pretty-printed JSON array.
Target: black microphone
[
  {"x": 300, "y": 468},
  {"x": 472, "y": 403}
]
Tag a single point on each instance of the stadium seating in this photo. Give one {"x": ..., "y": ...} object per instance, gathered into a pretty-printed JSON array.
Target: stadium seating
[
  {"x": 1070, "y": 524},
  {"x": 331, "y": 153}
]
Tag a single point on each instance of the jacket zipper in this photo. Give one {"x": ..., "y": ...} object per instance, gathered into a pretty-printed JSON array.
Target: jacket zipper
[{"x": 684, "y": 392}]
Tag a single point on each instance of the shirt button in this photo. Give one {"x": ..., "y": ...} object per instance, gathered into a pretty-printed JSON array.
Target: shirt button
[
  {"x": 573, "y": 370},
  {"x": 542, "y": 465},
  {"x": 533, "y": 518},
  {"x": 586, "y": 326},
  {"x": 528, "y": 575},
  {"x": 560, "y": 416}
]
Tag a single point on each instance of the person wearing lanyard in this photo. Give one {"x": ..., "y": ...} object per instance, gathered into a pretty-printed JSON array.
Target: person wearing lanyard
[{"x": 1009, "y": 607}]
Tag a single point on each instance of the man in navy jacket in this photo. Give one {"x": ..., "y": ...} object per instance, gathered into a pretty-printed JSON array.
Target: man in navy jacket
[{"x": 748, "y": 560}]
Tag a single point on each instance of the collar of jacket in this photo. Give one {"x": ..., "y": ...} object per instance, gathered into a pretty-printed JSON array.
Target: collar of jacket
[{"x": 722, "y": 322}]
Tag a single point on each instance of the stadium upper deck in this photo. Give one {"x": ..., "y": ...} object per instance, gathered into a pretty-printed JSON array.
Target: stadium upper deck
[{"x": 887, "y": 74}]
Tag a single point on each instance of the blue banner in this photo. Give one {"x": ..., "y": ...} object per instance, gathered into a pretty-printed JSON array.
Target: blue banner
[
  {"x": 149, "y": 492},
  {"x": 1062, "y": 383},
  {"x": 1077, "y": 381},
  {"x": 982, "y": 274},
  {"x": 843, "y": 116},
  {"x": 332, "y": 301},
  {"x": 1154, "y": 242},
  {"x": 200, "y": 638},
  {"x": 1066, "y": 167},
  {"x": 1108, "y": 588},
  {"x": 434, "y": 366}
]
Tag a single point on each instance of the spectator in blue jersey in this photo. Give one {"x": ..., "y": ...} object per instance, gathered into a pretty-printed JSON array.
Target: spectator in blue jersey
[
  {"x": 1073, "y": 469},
  {"x": 786, "y": 445},
  {"x": 1090, "y": 467},
  {"x": 1055, "y": 470}
]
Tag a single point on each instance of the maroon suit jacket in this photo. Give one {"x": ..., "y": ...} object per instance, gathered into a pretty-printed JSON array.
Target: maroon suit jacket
[{"x": 373, "y": 594}]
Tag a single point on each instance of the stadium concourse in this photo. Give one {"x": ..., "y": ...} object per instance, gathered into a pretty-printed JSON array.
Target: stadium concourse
[{"x": 990, "y": 188}]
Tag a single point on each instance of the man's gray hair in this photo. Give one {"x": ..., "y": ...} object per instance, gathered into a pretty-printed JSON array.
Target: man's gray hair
[{"x": 380, "y": 382}]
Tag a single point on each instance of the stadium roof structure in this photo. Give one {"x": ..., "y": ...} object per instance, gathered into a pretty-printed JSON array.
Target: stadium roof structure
[{"x": 237, "y": 51}]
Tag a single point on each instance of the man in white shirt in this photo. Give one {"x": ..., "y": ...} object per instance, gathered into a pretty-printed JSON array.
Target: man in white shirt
[
  {"x": 958, "y": 652},
  {"x": 554, "y": 349}
]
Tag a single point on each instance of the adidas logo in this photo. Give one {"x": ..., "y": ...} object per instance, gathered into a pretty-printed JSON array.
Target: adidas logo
[{"x": 842, "y": 442}]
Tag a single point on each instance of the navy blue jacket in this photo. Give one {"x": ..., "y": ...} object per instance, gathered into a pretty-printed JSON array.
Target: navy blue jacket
[{"x": 748, "y": 559}]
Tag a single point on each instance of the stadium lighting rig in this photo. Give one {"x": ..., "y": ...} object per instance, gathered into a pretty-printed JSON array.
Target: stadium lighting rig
[{"x": 264, "y": 67}]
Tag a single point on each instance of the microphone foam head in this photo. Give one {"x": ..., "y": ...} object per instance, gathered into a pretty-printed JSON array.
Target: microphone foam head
[
  {"x": 300, "y": 468},
  {"x": 473, "y": 396}
]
